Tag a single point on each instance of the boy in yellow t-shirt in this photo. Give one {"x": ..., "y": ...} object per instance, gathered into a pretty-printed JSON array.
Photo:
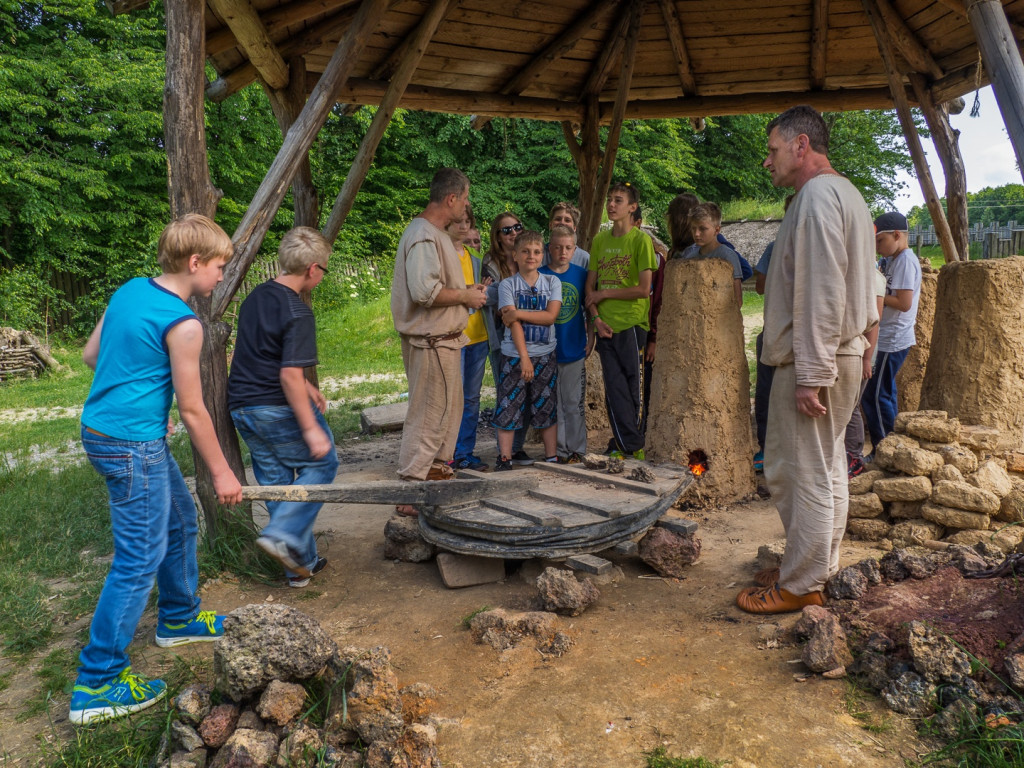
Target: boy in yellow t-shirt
[{"x": 474, "y": 354}]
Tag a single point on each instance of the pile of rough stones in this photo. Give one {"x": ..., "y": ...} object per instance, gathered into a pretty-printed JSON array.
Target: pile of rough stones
[
  {"x": 935, "y": 479},
  {"x": 260, "y": 713}
]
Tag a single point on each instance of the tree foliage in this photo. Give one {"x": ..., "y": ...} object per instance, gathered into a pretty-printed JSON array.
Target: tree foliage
[
  {"x": 83, "y": 185},
  {"x": 991, "y": 204}
]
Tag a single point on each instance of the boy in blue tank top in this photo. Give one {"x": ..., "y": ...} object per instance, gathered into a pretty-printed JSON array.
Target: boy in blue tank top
[{"x": 145, "y": 350}]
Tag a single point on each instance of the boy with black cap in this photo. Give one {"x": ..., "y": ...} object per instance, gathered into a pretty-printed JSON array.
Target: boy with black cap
[{"x": 896, "y": 327}]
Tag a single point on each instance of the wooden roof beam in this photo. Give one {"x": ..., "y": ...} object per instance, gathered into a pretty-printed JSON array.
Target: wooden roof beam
[
  {"x": 674, "y": 27},
  {"x": 253, "y": 39},
  {"x": 819, "y": 43},
  {"x": 554, "y": 50},
  {"x": 276, "y": 19},
  {"x": 903, "y": 39},
  {"x": 610, "y": 52}
]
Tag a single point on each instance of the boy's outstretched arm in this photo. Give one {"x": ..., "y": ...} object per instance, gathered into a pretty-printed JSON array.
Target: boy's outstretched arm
[
  {"x": 293, "y": 382},
  {"x": 184, "y": 343}
]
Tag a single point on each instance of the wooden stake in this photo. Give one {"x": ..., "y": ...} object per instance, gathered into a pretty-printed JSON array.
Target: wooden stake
[
  {"x": 254, "y": 225},
  {"x": 1003, "y": 64},
  {"x": 368, "y": 148},
  {"x": 899, "y": 96},
  {"x": 946, "y": 142}
]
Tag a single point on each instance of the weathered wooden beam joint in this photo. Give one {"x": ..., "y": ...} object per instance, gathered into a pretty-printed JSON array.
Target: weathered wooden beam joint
[
  {"x": 674, "y": 28},
  {"x": 252, "y": 37},
  {"x": 902, "y": 37},
  {"x": 819, "y": 43}
]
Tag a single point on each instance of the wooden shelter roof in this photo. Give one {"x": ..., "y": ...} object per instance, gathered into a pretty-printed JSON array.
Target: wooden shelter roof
[{"x": 543, "y": 59}]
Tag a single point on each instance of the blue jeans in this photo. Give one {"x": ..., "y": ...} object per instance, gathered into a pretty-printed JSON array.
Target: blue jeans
[
  {"x": 155, "y": 528},
  {"x": 474, "y": 361},
  {"x": 879, "y": 398},
  {"x": 280, "y": 457}
]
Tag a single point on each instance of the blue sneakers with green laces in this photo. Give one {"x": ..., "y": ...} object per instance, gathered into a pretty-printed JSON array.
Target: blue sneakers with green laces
[
  {"x": 207, "y": 625},
  {"x": 127, "y": 693}
]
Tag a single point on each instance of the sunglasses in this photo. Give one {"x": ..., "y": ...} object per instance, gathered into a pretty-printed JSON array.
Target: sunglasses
[{"x": 510, "y": 229}]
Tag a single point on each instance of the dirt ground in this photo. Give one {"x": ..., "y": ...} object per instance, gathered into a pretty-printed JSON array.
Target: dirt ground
[{"x": 656, "y": 661}]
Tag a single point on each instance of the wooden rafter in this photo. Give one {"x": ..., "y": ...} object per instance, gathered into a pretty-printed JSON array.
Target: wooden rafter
[
  {"x": 610, "y": 52},
  {"x": 265, "y": 203},
  {"x": 674, "y": 28},
  {"x": 287, "y": 105},
  {"x": 275, "y": 20},
  {"x": 899, "y": 97},
  {"x": 907, "y": 43},
  {"x": 368, "y": 147},
  {"x": 819, "y": 43},
  {"x": 253, "y": 39},
  {"x": 552, "y": 52}
]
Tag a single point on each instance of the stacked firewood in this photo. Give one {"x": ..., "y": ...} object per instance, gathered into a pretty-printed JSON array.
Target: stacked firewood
[
  {"x": 935, "y": 479},
  {"x": 22, "y": 356}
]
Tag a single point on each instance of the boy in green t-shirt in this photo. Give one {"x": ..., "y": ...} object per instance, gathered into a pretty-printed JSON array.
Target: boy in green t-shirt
[{"x": 622, "y": 262}]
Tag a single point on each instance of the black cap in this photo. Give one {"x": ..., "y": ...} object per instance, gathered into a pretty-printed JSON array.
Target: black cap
[{"x": 891, "y": 221}]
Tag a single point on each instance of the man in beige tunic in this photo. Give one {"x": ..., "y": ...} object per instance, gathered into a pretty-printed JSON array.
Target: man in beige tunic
[
  {"x": 819, "y": 304},
  {"x": 429, "y": 304}
]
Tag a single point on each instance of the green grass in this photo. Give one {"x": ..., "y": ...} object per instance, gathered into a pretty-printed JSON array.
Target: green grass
[
  {"x": 856, "y": 700},
  {"x": 56, "y": 675},
  {"x": 659, "y": 758},
  {"x": 54, "y": 388},
  {"x": 737, "y": 210}
]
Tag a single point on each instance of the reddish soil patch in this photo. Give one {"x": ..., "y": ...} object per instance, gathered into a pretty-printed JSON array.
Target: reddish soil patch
[{"x": 983, "y": 615}]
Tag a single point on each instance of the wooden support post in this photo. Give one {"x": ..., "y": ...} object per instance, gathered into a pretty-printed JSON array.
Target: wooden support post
[
  {"x": 947, "y": 145},
  {"x": 190, "y": 191},
  {"x": 1003, "y": 62},
  {"x": 899, "y": 96},
  {"x": 368, "y": 148},
  {"x": 587, "y": 154},
  {"x": 254, "y": 225}
]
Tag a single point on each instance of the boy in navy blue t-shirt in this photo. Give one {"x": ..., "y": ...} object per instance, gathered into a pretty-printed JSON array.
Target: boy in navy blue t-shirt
[{"x": 571, "y": 352}]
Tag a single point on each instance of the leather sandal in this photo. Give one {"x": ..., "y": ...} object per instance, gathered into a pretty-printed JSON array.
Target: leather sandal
[
  {"x": 767, "y": 577},
  {"x": 406, "y": 510},
  {"x": 774, "y": 599},
  {"x": 440, "y": 472}
]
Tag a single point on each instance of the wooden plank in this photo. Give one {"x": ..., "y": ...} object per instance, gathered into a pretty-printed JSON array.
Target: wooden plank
[
  {"x": 595, "y": 501},
  {"x": 589, "y": 564},
  {"x": 527, "y": 510},
  {"x": 477, "y": 515},
  {"x": 678, "y": 525},
  {"x": 433, "y": 493},
  {"x": 626, "y": 548},
  {"x": 581, "y": 473}
]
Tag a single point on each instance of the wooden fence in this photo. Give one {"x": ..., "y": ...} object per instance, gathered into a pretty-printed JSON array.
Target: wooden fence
[{"x": 996, "y": 239}]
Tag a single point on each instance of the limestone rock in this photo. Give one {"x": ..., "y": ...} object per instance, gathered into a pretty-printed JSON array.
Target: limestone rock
[
  {"x": 910, "y": 694},
  {"x": 281, "y": 702},
  {"x": 374, "y": 706},
  {"x": 935, "y": 656},
  {"x": 872, "y": 667},
  {"x": 866, "y": 505},
  {"x": 415, "y": 748},
  {"x": 193, "y": 704},
  {"x": 907, "y": 533},
  {"x": 1014, "y": 461},
  {"x": 967, "y": 560},
  {"x": 595, "y": 461},
  {"x": 826, "y": 646},
  {"x": 903, "y": 488},
  {"x": 950, "y": 493},
  {"x": 950, "y": 721},
  {"x": 1006, "y": 540},
  {"x": 900, "y": 424},
  {"x": 980, "y": 438},
  {"x": 218, "y": 725},
  {"x": 185, "y": 737},
  {"x": 905, "y": 510},
  {"x": 992, "y": 477},
  {"x": 868, "y": 530},
  {"x": 849, "y": 583},
  {"x": 1011, "y": 508},
  {"x": 252, "y": 721},
  {"x": 934, "y": 430},
  {"x": 864, "y": 482},
  {"x": 418, "y": 701},
  {"x": 503, "y": 629},
  {"x": 900, "y": 564},
  {"x": 949, "y": 472},
  {"x": 959, "y": 456},
  {"x": 268, "y": 642},
  {"x": 770, "y": 555},
  {"x": 298, "y": 746},
  {"x": 869, "y": 567},
  {"x": 954, "y": 518},
  {"x": 402, "y": 541},
  {"x": 899, "y": 453},
  {"x": 561, "y": 592},
  {"x": 247, "y": 749},
  {"x": 616, "y": 466},
  {"x": 643, "y": 474},
  {"x": 181, "y": 759},
  {"x": 669, "y": 553},
  {"x": 1014, "y": 665}
]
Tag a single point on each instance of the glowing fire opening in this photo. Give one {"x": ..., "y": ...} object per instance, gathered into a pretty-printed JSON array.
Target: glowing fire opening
[{"x": 698, "y": 462}]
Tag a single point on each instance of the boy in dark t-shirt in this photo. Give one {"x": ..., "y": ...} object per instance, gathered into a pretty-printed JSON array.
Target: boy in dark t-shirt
[{"x": 278, "y": 413}]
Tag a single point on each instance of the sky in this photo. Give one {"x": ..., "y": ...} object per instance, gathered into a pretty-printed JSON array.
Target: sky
[{"x": 988, "y": 155}]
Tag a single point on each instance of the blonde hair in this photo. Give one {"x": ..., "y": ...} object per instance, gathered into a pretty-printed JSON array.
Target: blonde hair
[
  {"x": 528, "y": 236},
  {"x": 706, "y": 212},
  {"x": 193, "y": 233},
  {"x": 560, "y": 230},
  {"x": 301, "y": 247}
]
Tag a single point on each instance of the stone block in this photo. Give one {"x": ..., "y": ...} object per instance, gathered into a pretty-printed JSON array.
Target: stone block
[
  {"x": 899, "y": 453},
  {"x": 908, "y": 533},
  {"x": 980, "y": 438},
  {"x": 991, "y": 477},
  {"x": 905, "y": 510},
  {"x": 900, "y": 425},
  {"x": 868, "y": 530},
  {"x": 281, "y": 702},
  {"x": 403, "y": 541},
  {"x": 1005, "y": 540},
  {"x": 950, "y": 493},
  {"x": 770, "y": 555},
  {"x": 959, "y": 456},
  {"x": 954, "y": 518},
  {"x": 864, "y": 482},
  {"x": 589, "y": 564},
  {"x": 669, "y": 553},
  {"x": 561, "y": 592},
  {"x": 384, "y": 418},
  {"x": 1011, "y": 508},
  {"x": 950, "y": 472},
  {"x": 865, "y": 505},
  {"x": 678, "y": 524},
  {"x": 469, "y": 570},
  {"x": 933, "y": 430},
  {"x": 903, "y": 488},
  {"x": 1014, "y": 461},
  {"x": 826, "y": 647}
]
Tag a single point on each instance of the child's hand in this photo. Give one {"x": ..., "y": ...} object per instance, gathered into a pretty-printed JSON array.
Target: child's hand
[
  {"x": 487, "y": 281},
  {"x": 317, "y": 442},
  {"x": 593, "y": 299},
  {"x": 508, "y": 315},
  {"x": 603, "y": 329},
  {"x": 649, "y": 356},
  {"x": 227, "y": 488},
  {"x": 526, "y": 366}
]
